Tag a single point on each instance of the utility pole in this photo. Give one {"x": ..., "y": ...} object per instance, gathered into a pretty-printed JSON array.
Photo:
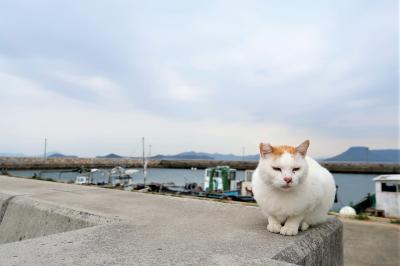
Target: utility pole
[{"x": 45, "y": 149}]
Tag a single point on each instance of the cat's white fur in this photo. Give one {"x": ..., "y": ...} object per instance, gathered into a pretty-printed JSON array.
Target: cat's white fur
[{"x": 302, "y": 202}]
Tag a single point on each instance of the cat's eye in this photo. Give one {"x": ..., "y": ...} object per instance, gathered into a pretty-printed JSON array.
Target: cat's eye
[
  {"x": 296, "y": 169},
  {"x": 277, "y": 169}
]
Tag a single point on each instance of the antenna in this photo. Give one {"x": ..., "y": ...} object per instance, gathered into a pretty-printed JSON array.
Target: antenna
[{"x": 45, "y": 149}]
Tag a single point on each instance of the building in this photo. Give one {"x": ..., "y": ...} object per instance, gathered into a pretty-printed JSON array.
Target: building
[{"x": 387, "y": 193}]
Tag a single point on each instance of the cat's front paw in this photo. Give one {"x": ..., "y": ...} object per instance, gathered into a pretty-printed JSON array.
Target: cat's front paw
[
  {"x": 289, "y": 230},
  {"x": 274, "y": 227},
  {"x": 304, "y": 226}
]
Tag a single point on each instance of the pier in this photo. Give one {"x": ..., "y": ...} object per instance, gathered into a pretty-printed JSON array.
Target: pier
[
  {"x": 30, "y": 163},
  {"x": 47, "y": 223}
]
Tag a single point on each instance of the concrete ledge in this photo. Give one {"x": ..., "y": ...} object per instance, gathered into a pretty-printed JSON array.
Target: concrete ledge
[
  {"x": 143, "y": 229},
  {"x": 321, "y": 246},
  {"x": 4, "y": 200},
  {"x": 22, "y": 218}
]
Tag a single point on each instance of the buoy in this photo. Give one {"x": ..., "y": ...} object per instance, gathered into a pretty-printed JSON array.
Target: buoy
[{"x": 347, "y": 211}]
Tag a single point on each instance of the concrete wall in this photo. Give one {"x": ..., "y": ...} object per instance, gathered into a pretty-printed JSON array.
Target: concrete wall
[
  {"x": 22, "y": 218},
  {"x": 321, "y": 247}
]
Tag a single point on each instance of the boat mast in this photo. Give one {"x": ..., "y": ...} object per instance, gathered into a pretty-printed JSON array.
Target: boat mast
[
  {"x": 45, "y": 149},
  {"x": 144, "y": 162},
  {"x": 143, "y": 151}
]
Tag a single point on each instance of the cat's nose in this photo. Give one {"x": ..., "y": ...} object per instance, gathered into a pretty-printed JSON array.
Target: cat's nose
[{"x": 287, "y": 179}]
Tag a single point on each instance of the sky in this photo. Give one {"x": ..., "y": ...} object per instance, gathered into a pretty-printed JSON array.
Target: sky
[{"x": 95, "y": 76}]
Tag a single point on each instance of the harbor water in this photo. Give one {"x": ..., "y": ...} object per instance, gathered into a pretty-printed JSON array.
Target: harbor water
[{"x": 352, "y": 187}]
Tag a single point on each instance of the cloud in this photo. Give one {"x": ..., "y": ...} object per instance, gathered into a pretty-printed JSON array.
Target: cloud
[
  {"x": 214, "y": 77},
  {"x": 98, "y": 89},
  {"x": 179, "y": 89}
]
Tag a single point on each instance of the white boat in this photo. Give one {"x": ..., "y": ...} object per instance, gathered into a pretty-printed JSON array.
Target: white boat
[
  {"x": 87, "y": 177},
  {"x": 81, "y": 179},
  {"x": 120, "y": 176}
]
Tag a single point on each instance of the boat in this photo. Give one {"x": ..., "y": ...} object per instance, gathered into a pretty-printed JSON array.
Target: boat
[
  {"x": 220, "y": 183},
  {"x": 364, "y": 204},
  {"x": 120, "y": 176},
  {"x": 81, "y": 179},
  {"x": 219, "y": 179},
  {"x": 85, "y": 176}
]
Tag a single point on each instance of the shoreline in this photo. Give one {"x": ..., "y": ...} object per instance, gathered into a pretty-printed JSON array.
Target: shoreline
[{"x": 31, "y": 163}]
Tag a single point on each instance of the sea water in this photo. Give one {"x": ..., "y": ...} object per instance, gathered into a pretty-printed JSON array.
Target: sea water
[{"x": 351, "y": 187}]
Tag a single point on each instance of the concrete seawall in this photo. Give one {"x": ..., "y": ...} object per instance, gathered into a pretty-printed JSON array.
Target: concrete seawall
[
  {"x": 81, "y": 225},
  {"x": 28, "y": 163},
  {"x": 25, "y": 219}
]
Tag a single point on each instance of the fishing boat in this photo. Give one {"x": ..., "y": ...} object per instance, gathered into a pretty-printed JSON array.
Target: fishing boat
[
  {"x": 219, "y": 179},
  {"x": 85, "y": 176},
  {"x": 220, "y": 183},
  {"x": 81, "y": 179},
  {"x": 120, "y": 176}
]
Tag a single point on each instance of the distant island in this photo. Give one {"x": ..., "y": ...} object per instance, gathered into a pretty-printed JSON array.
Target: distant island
[
  {"x": 364, "y": 154},
  {"x": 192, "y": 155},
  {"x": 184, "y": 155},
  {"x": 111, "y": 156},
  {"x": 60, "y": 155},
  {"x": 353, "y": 154}
]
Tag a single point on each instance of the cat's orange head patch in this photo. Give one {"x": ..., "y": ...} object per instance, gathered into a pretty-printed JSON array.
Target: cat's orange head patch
[
  {"x": 276, "y": 151},
  {"x": 279, "y": 150}
]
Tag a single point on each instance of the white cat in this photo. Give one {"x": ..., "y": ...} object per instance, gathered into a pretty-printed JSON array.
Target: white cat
[{"x": 292, "y": 189}]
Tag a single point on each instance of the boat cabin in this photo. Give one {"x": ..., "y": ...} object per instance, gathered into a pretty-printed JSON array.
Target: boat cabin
[
  {"x": 387, "y": 193},
  {"x": 245, "y": 186},
  {"x": 120, "y": 176},
  {"x": 219, "y": 179},
  {"x": 81, "y": 179}
]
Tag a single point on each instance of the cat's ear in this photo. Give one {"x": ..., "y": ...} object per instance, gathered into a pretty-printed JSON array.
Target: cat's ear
[
  {"x": 303, "y": 147},
  {"x": 265, "y": 148}
]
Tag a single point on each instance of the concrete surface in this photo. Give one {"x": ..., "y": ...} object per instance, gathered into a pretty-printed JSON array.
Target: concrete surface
[
  {"x": 371, "y": 244},
  {"x": 145, "y": 229}
]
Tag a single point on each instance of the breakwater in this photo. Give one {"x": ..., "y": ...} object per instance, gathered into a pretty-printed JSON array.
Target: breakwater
[
  {"x": 111, "y": 222},
  {"x": 31, "y": 163}
]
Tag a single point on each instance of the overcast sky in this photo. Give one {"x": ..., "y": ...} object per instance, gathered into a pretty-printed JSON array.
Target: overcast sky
[{"x": 215, "y": 76}]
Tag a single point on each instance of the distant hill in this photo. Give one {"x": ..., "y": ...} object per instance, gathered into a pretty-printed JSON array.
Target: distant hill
[
  {"x": 11, "y": 154},
  {"x": 232, "y": 157},
  {"x": 192, "y": 155},
  {"x": 110, "y": 156},
  {"x": 60, "y": 155},
  {"x": 183, "y": 156},
  {"x": 364, "y": 154},
  {"x": 353, "y": 154}
]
